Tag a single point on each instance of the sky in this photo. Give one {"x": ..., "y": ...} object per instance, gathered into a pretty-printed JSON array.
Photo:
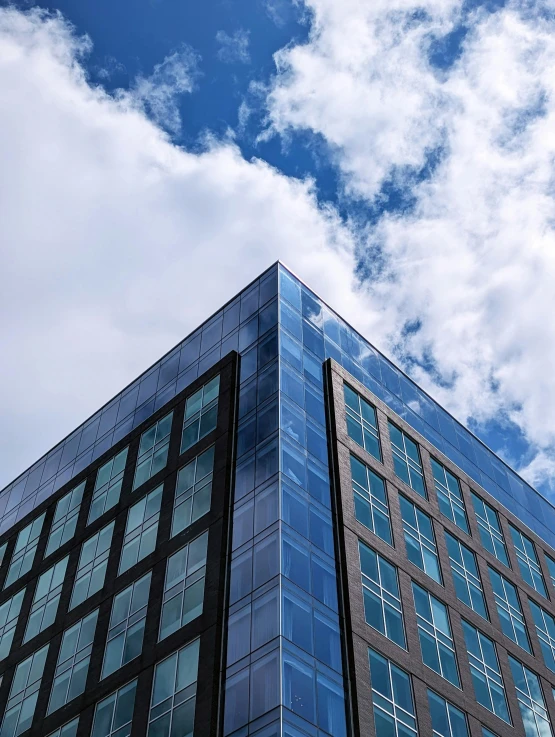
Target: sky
[{"x": 398, "y": 155}]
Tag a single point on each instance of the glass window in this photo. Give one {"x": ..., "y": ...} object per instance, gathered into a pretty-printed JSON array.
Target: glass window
[
  {"x": 24, "y": 551},
  {"x": 92, "y": 565},
  {"x": 193, "y": 491},
  {"x": 68, "y": 730},
  {"x": 370, "y": 498},
  {"x": 406, "y": 459},
  {"x": 46, "y": 599},
  {"x": 184, "y": 586},
  {"x": 434, "y": 632},
  {"x": 3, "y": 552},
  {"x": 487, "y": 732},
  {"x": 153, "y": 450},
  {"x": 551, "y": 567},
  {"x": 172, "y": 706},
  {"x": 9, "y": 613},
  {"x": 530, "y": 700},
  {"x": 545, "y": 627},
  {"x": 490, "y": 529},
  {"x": 466, "y": 577},
  {"x": 107, "y": 487},
  {"x": 420, "y": 539},
  {"x": 528, "y": 561},
  {"x": 489, "y": 689},
  {"x": 114, "y": 714},
  {"x": 24, "y": 691},
  {"x": 65, "y": 519},
  {"x": 70, "y": 676},
  {"x": 447, "y": 720},
  {"x": 392, "y": 698},
  {"x": 380, "y": 591},
  {"x": 362, "y": 423},
  {"x": 509, "y": 610},
  {"x": 201, "y": 414},
  {"x": 127, "y": 625},
  {"x": 449, "y": 495},
  {"x": 141, "y": 529}
]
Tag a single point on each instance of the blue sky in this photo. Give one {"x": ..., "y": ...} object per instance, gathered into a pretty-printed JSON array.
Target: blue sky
[{"x": 397, "y": 155}]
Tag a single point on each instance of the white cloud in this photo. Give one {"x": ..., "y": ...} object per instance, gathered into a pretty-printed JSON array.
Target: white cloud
[
  {"x": 233, "y": 48},
  {"x": 474, "y": 260},
  {"x": 158, "y": 95},
  {"x": 116, "y": 243}
]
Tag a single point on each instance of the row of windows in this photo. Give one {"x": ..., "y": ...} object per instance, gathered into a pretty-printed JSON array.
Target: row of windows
[
  {"x": 182, "y": 601},
  {"x": 372, "y": 510},
  {"x": 384, "y": 613},
  {"x": 192, "y": 498},
  {"x": 393, "y": 700},
  {"x": 172, "y": 703}
]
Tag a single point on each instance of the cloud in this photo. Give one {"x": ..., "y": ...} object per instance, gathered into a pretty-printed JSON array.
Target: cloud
[
  {"x": 115, "y": 242},
  {"x": 234, "y": 48},
  {"x": 159, "y": 94},
  {"x": 466, "y": 265}
]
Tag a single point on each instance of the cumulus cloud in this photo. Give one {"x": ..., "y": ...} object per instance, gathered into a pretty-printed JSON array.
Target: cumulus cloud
[
  {"x": 115, "y": 242},
  {"x": 467, "y": 265},
  {"x": 233, "y": 48}
]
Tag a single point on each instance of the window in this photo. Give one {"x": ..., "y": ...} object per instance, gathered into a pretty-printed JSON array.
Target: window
[
  {"x": 551, "y": 567},
  {"x": 72, "y": 667},
  {"x": 509, "y": 610},
  {"x": 370, "y": 500},
  {"x": 530, "y": 700},
  {"x": 114, "y": 714},
  {"x": 486, "y": 675},
  {"x": 153, "y": 450},
  {"x": 3, "y": 552},
  {"x": 380, "y": 591},
  {"x": 107, "y": 487},
  {"x": 528, "y": 561},
  {"x": 466, "y": 577},
  {"x": 65, "y": 519},
  {"x": 92, "y": 565},
  {"x": 406, "y": 460},
  {"x": 490, "y": 529},
  {"x": 487, "y": 732},
  {"x": 392, "y": 698},
  {"x": 193, "y": 491},
  {"x": 362, "y": 423},
  {"x": 24, "y": 551},
  {"x": 545, "y": 627},
  {"x": 141, "y": 529},
  {"x": 184, "y": 586},
  {"x": 201, "y": 414},
  {"x": 9, "y": 612},
  {"x": 420, "y": 539},
  {"x": 447, "y": 720},
  {"x": 434, "y": 632},
  {"x": 172, "y": 706},
  {"x": 20, "y": 707},
  {"x": 68, "y": 730},
  {"x": 449, "y": 495},
  {"x": 127, "y": 625},
  {"x": 46, "y": 599}
]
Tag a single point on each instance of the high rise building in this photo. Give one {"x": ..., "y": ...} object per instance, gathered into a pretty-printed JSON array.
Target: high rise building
[{"x": 273, "y": 531}]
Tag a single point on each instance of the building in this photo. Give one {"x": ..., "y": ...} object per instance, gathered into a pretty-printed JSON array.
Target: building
[{"x": 273, "y": 531}]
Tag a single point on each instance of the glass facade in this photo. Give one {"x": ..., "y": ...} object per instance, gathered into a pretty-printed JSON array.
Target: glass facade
[{"x": 289, "y": 560}]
